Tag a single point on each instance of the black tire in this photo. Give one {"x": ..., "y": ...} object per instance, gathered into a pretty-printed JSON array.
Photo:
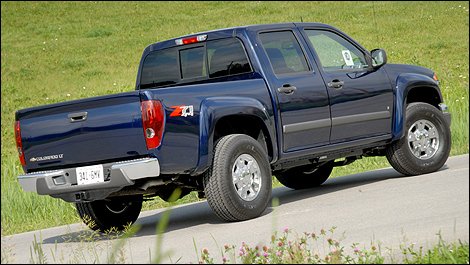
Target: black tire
[
  {"x": 240, "y": 166},
  {"x": 426, "y": 133},
  {"x": 112, "y": 212},
  {"x": 305, "y": 177}
]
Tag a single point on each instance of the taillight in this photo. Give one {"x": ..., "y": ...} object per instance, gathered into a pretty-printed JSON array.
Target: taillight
[
  {"x": 153, "y": 119},
  {"x": 19, "y": 146}
]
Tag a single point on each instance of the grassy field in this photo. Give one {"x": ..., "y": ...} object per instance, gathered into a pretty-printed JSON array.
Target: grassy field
[{"x": 57, "y": 51}]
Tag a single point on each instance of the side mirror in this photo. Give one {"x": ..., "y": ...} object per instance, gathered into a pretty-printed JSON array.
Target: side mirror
[{"x": 379, "y": 58}]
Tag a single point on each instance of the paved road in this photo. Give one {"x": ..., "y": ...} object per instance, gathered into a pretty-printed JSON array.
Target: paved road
[{"x": 380, "y": 206}]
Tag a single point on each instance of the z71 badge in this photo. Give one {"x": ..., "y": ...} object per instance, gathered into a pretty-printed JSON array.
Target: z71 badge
[{"x": 182, "y": 110}]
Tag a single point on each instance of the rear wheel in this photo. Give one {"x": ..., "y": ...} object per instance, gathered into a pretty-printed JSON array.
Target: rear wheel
[
  {"x": 305, "y": 177},
  {"x": 426, "y": 144},
  {"x": 116, "y": 212},
  {"x": 238, "y": 183}
]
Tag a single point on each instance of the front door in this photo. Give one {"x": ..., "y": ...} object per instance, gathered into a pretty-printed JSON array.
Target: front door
[
  {"x": 300, "y": 90},
  {"x": 360, "y": 98}
]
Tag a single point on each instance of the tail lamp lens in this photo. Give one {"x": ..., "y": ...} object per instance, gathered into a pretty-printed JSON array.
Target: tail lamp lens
[
  {"x": 153, "y": 119},
  {"x": 19, "y": 146}
]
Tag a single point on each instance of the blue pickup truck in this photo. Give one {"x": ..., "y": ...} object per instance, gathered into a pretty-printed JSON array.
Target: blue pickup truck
[{"x": 220, "y": 112}]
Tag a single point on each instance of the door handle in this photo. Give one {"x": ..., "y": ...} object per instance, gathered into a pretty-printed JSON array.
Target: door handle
[
  {"x": 76, "y": 117},
  {"x": 336, "y": 84},
  {"x": 287, "y": 89}
]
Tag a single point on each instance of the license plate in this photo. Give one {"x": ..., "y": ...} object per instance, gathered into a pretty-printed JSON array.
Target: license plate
[{"x": 90, "y": 174}]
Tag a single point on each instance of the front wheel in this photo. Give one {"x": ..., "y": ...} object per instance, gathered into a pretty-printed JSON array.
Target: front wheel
[
  {"x": 426, "y": 144},
  {"x": 238, "y": 184},
  {"x": 115, "y": 212}
]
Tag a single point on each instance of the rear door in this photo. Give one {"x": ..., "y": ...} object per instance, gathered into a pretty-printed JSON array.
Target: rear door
[
  {"x": 301, "y": 93},
  {"x": 361, "y": 99}
]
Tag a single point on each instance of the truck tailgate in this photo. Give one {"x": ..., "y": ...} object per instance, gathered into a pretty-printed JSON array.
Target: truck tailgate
[{"x": 83, "y": 131}]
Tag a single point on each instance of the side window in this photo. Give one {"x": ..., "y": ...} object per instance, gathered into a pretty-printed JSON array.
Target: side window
[
  {"x": 192, "y": 63},
  {"x": 284, "y": 52},
  {"x": 335, "y": 52},
  {"x": 227, "y": 57},
  {"x": 159, "y": 69}
]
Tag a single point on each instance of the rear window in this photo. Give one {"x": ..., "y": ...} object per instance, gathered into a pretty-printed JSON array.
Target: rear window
[
  {"x": 160, "y": 69},
  {"x": 212, "y": 59}
]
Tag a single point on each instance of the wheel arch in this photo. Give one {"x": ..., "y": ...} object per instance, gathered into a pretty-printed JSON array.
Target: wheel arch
[
  {"x": 221, "y": 116},
  {"x": 411, "y": 88}
]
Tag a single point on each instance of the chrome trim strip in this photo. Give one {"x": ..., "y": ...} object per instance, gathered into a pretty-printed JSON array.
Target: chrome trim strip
[
  {"x": 308, "y": 125},
  {"x": 360, "y": 117}
]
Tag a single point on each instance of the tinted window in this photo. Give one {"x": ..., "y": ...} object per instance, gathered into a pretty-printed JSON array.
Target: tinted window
[
  {"x": 284, "y": 52},
  {"x": 159, "y": 69},
  {"x": 192, "y": 63},
  {"x": 227, "y": 57},
  {"x": 335, "y": 52}
]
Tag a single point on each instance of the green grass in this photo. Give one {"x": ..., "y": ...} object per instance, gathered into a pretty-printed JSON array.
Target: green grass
[{"x": 57, "y": 51}]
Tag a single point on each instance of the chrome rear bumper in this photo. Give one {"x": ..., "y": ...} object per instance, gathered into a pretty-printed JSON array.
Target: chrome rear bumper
[{"x": 117, "y": 175}]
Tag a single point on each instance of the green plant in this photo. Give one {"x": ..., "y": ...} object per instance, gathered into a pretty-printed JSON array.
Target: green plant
[{"x": 300, "y": 250}]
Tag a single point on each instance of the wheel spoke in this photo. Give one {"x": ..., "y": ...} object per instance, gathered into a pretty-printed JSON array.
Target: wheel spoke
[
  {"x": 420, "y": 125},
  {"x": 417, "y": 151},
  {"x": 433, "y": 133},
  {"x": 237, "y": 180},
  {"x": 240, "y": 163},
  {"x": 242, "y": 192},
  {"x": 429, "y": 150},
  {"x": 411, "y": 137}
]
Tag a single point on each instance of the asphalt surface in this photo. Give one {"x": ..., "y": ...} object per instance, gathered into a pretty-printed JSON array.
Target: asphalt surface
[{"x": 379, "y": 207}]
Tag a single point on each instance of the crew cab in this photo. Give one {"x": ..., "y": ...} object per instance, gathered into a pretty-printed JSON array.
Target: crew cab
[{"x": 220, "y": 112}]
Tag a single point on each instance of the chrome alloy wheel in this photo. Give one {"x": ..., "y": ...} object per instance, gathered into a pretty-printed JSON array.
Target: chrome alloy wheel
[
  {"x": 246, "y": 177},
  {"x": 423, "y": 139}
]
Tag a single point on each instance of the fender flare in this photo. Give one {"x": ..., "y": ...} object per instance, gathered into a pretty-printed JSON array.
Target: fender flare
[
  {"x": 404, "y": 84},
  {"x": 215, "y": 108}
]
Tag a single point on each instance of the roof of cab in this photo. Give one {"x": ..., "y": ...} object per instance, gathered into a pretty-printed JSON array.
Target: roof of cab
[{"x": 229, "y": 32}]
